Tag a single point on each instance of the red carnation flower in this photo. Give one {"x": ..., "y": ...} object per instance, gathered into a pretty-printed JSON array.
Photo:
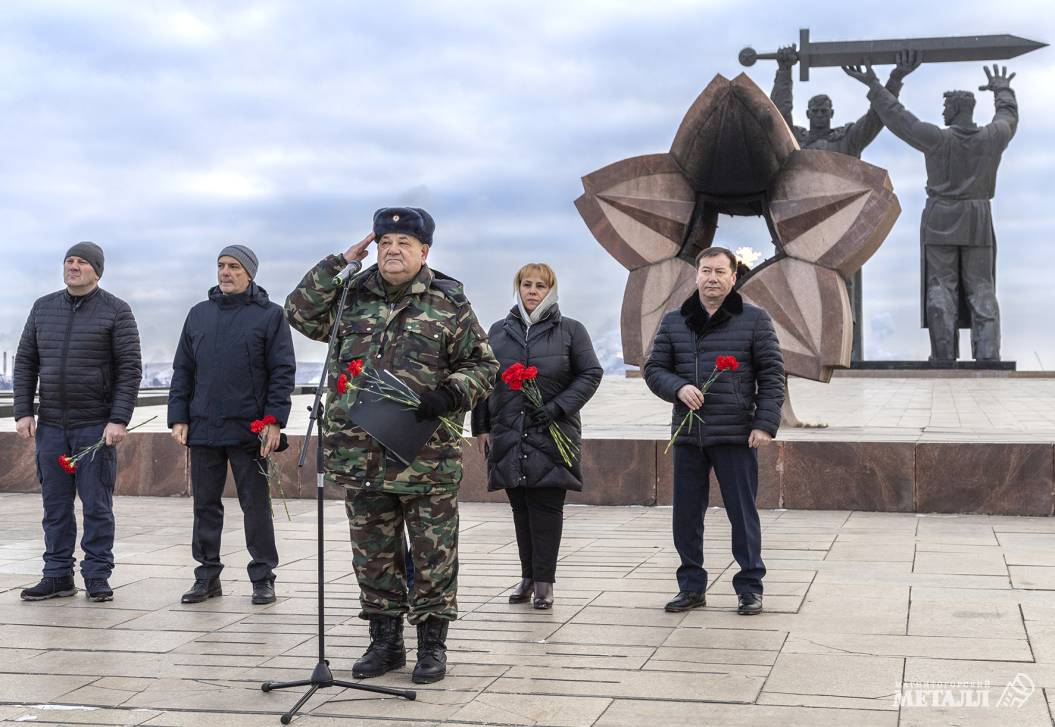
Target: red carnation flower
[
  {"x": 726, "y": 363},
  {"x": 355, "y": 367},
  {"x": 512, "y": 376},
  {"x": 342, "y": 384},
  {"x": 67, "y": 464},
  {"x": 258, "y": 424},
  {"x": 529, "y": 373}
]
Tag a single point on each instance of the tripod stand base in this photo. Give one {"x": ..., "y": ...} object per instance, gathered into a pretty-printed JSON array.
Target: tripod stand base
[{"x": 322, "y": 678}]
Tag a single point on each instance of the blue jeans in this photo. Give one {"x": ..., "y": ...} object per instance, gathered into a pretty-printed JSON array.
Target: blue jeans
[
  {"x": 94, "y": 483},
  {"x": 736, "y": 468}
]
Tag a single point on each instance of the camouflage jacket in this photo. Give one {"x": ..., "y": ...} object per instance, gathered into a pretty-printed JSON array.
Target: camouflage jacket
[{"x": 427, "y": 337}]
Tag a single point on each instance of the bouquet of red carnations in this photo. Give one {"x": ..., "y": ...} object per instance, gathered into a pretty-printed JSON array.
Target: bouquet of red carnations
[
  {"x": 391, "y": 388},
  {"x": 519, "y": 377}
]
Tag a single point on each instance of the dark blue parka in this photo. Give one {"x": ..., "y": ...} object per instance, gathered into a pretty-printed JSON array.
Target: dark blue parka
[
  {"x": 684, "y": 352},
  {"x": 568, "y": 375},
  {"x": 234, "y": 363}
]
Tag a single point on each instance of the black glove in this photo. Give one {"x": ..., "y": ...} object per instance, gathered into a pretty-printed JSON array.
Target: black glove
[
  {"x": 538, "y": 416},
  {"x": 435, "y": 403}
]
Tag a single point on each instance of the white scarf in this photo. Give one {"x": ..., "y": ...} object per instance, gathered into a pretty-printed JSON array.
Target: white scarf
[{"x": 540, "y": 311}]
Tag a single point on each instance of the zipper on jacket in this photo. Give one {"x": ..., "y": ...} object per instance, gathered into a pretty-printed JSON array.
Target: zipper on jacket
[
  {"x": 696, "y": 365},
  {"x": 65, "y": 357}
]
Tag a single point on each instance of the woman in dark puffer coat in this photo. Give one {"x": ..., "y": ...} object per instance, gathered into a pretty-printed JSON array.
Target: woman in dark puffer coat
[{"x": 522, "y": 458}]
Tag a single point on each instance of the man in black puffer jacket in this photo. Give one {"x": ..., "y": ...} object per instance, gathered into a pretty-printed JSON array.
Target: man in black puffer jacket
[
  {"x": 234, "y": 365},
  {"x": 80, "y": 352},
  {"x": 740, "y": 412}
]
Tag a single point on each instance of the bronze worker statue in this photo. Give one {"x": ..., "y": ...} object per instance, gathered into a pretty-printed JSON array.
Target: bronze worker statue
[{"x": 957, "y": 240}]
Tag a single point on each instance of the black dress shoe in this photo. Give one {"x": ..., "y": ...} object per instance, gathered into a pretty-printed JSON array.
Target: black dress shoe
[
  {"x": 543, "y": 600},
  {"x": 750, "y": 604},
  {"x": 522, "y": 591},
  {"x": 686, "y": 600},
  {"x": 203, "y": 589},
  {"x": 263, "y": 592}
]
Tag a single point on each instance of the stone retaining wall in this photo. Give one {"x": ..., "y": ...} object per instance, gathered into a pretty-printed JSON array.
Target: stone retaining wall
[{"x": 991, "y": 478}]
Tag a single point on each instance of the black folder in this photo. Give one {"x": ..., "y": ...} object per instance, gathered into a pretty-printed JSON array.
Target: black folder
[{"x": 389, "y": 422}]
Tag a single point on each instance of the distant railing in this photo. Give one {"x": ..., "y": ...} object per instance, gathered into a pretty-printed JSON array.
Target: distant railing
[{"x": 147, "y": 397}]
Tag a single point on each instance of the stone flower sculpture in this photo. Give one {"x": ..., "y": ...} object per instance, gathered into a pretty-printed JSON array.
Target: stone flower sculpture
[{"x": 733, "y": 154}]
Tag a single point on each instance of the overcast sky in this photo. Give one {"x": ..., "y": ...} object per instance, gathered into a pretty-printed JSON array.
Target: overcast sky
[{"x": 166, "y": 130}]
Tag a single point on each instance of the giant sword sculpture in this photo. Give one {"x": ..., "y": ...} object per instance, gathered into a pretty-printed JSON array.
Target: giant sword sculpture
[{"x": 883, "y": 52}]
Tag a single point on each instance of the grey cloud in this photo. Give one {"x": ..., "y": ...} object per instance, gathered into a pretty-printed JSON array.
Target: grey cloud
[{"x": 165, "y": 130}]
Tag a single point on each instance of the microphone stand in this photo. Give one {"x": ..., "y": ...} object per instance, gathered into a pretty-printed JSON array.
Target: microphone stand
[{"x": 321, "y": 676}]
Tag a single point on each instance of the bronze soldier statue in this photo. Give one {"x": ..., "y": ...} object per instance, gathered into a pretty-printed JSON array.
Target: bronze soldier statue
[
  {"x": 958, "y": 243},
  {"x": 850, "y": 139}
]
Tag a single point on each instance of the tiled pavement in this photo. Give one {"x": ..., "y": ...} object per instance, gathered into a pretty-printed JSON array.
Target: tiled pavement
[{"x": 859, "y": 607}]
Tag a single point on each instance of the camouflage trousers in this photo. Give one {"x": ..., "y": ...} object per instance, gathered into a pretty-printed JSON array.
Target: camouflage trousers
[{"x": 375, "y": 523}]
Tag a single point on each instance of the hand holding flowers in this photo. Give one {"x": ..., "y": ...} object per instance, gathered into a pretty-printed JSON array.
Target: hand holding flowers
[
  {"x": 519, "y": 377},
  {"x": 267, "y": 429},
  {"x": 693, "y": 397},
  {"x": 69, "y": 462}
]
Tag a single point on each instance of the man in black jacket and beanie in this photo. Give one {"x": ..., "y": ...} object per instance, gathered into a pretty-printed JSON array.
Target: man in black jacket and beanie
[
  {"x": 234, "y": 365},
  {"x": 740, "y": 412},
  {"x": 80, "y": 352}
]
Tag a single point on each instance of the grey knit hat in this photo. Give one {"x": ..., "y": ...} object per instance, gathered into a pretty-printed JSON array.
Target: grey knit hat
[
  {"x": 88, "y": 251},
  {"x": 244, "y": 255}
]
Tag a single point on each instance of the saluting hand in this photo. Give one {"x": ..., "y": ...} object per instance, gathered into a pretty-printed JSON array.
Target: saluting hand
[{"x": 358, "y": 250}]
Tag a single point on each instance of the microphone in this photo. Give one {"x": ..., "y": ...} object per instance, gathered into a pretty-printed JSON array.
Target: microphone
[{"x": 351, "y": 269}]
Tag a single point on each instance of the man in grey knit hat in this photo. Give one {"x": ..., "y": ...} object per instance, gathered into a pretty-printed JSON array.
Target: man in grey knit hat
[
  {"x": 234, "y": 365},
  {"x": 79, "y": 353}
]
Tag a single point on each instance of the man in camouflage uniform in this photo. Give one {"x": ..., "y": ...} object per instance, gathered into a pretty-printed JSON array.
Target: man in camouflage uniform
[{"x": 415, "y": 322}]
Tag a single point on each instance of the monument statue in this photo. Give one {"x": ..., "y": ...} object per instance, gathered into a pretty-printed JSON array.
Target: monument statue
[
  {"x": 826, "y": 213},
  {"x": 958, "y": 243},
  {"x": 851, "y": 139}
]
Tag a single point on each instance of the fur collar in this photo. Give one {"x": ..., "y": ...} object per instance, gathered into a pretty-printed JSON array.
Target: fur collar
[{"x": 697, "y": 318}]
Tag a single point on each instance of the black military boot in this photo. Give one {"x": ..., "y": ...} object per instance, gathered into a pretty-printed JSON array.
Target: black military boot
[
  {"x": 432, "y": 651},
  {"x": 386, "y": 651}
]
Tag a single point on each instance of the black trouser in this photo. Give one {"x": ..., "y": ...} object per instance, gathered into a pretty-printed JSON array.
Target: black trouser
[
  {"x": 736, "y": 467},
  {"x": 208, "y": 473},
  {"x": 538, "y": 517}
]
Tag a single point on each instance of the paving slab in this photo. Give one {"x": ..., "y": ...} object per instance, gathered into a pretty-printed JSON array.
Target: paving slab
[{"x": 860, "y": 606}]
